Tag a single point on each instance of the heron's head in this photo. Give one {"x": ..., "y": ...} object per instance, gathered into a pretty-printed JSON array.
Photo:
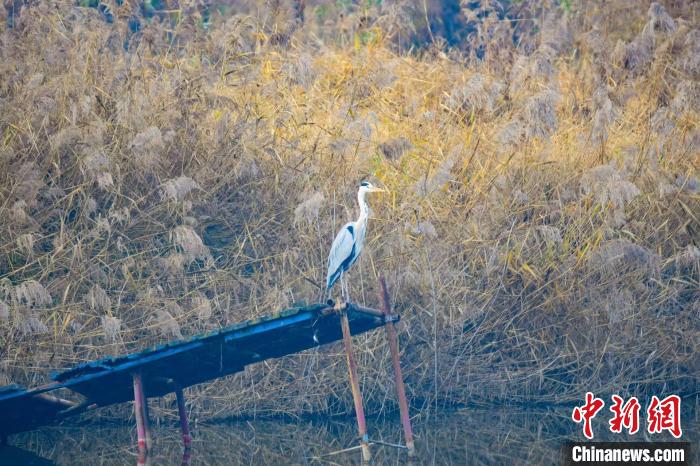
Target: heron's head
[{"x": 368, "y": 187}]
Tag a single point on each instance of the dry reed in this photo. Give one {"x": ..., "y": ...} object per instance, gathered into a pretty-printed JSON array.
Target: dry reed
[{"x": 197, "y": 180}]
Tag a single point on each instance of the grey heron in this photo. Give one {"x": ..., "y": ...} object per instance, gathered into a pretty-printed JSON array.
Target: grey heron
[{"x": 349, "y": 241}]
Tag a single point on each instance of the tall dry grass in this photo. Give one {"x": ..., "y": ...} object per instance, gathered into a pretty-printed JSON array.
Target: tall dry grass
[{"x": 540, "y": 238}]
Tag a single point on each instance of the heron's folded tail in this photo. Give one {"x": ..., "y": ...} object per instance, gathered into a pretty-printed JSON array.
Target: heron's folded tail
[{"x": 330, "y": 281}]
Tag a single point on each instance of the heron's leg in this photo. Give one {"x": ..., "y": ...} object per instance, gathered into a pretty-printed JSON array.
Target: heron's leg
[
  {"x": 347, "y": 293},
  {"x": 342, "y": 286}
]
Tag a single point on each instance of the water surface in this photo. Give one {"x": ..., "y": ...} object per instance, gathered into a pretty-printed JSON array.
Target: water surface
[{"x": 466, "y": 436}]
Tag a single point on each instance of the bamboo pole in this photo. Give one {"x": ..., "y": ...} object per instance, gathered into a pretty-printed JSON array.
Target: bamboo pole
[
  {"x": 186, "y": 457},
  {"x": 366, "y": 310},
  {"x": 56, "y": 400},
  {"x": 146, "y": 418},
  {"x": 356, "y": 394},
  {"x": 184, "y": 424},
  {"x": 138, "y": 413},
  {"x": 396, "y": 362},
  {"x": 77, "y": 408}
]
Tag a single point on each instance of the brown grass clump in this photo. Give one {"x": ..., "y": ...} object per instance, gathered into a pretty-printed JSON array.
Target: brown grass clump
[{"x": 540, "y": 237}]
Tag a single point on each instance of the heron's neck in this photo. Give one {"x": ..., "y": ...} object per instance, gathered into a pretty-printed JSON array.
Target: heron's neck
[{"x": 364, "y": 209}]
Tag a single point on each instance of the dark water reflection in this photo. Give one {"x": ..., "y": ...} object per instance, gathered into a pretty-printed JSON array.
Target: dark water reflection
[{"x": 470, "y": 436}]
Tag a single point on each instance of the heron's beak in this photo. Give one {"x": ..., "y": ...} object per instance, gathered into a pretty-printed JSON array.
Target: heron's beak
[{"x": 378, "y": 190}]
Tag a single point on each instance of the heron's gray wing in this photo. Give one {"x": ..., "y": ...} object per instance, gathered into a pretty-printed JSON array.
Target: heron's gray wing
[{"x": 341, "y": 250}]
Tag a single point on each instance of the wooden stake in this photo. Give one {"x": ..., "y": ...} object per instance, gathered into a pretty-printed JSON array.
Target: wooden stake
[
  {"x": 356, "y": 394},
  {"x": 398, "y": 377}
]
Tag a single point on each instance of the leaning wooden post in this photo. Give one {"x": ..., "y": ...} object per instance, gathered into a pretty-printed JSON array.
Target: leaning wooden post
[
  {"x": 146, "y": 418},
  {"x": 138, "y": 413},
  {"x": 144, "y": 414},
  {"x": 356, "y": 395},
  {"x": 398, "y": 377},
  {"x": 184, "y": 424}
]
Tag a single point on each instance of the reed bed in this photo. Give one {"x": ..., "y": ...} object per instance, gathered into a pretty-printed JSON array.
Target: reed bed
[{"x": 540, "y": 237}]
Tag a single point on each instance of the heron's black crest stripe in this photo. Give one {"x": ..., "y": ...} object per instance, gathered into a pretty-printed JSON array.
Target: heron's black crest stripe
[{"x": 364, "y": 183}]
